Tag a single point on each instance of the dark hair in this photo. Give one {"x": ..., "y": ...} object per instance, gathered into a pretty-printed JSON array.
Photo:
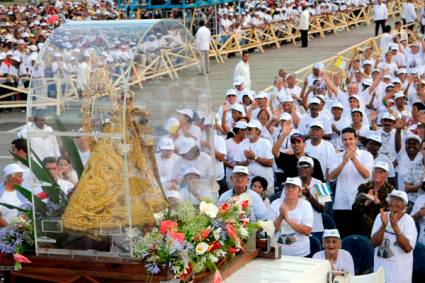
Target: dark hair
[
  {"x": 201, "y": 23},
  {"x": 49, "y": 160},
  {"x": 64, "y": 158},
  {"x": 244, "y": 53},
  {"x": 419, "y": 105},
  {"x": 263, "y": 182},
  {"x": 349, "y": 130},
  {"x": 261, "y": 111},
  {"x": 20, "y": 144},
  {"x": 397, "y": 23},
  {"x": 387, "y": 28}
]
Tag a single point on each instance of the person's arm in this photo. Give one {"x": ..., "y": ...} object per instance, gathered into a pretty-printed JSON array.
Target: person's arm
[
  {"x": 330, "y": 84},
  {"x": 419, "y": 215},
  {"x": 402, "y": 240},
  {"x": 264, "y": 161},
  {"x": 283, "y": 215},
  {"x": 360, "y": 168},
  {"x": 378, "y": 236},
  {"x": 399, "y": 124},
  {"x": 335, "y": 172},
  {"x": 411, "y": 188},
  {"x": 285, "y": 132},
  {"x": 314, "y": 202}
]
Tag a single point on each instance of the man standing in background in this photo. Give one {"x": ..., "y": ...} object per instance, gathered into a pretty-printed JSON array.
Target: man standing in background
[
  {"x": 202, "y": 40},
  {"x": 242, "y": 69},
  {"x": 304, "y": 26},
  {"x": 380, "y": 16}
]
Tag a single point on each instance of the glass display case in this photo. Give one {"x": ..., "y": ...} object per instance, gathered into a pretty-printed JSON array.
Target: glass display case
[{"x": 120, "y": 128}]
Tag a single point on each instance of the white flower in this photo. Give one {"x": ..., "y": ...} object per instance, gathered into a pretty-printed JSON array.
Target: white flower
[
  {"x": 208, "y": 209},
  {"x": 267, "y": 226},
  {"x": 216, "y": 233},
  {"x": 213, "y": 258},
  {"x": 244, "y": 233},
  {"x": 201, "y": 248}
]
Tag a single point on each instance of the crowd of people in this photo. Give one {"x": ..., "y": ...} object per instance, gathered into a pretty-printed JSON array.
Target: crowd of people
[{"x": 348, "y": 146}]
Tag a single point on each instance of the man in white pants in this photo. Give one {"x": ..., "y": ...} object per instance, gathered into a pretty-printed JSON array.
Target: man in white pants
[{"x": 202, "y": 40}]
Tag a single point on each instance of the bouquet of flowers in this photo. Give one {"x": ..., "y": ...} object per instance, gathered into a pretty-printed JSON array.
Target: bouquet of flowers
[
  {"x": 192, "y": 240},
  {"x": 17, "y": 237}
]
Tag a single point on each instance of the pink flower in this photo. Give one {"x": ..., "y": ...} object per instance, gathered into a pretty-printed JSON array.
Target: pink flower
[
  {"x": 224, "y": 208},
  {"x": 245, "y": 204},
  {"x": 214, "y": 246},
  {"x": 233, "y": 250},
  {"x": 42, "y": 195},
  {"x": 217, "y": 276},
  {"x": 21, "y": 258},
  {"x": 232, "y": 232},
  {"x": 179, "y": 237},
  {"x": 167, "y": 225}
]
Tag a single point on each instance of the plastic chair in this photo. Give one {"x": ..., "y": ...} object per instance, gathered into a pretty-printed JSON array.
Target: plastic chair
[
  {"x": 418, "y": 263},
  {"x": 328, "y": 222},
  {"x": 362, "y": 251},
  {"x": 376, "y": 277},
  {"x": 315, "y": 245}
]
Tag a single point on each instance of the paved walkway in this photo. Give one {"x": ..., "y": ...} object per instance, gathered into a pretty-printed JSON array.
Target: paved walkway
[{"x": 264, "y": 66}]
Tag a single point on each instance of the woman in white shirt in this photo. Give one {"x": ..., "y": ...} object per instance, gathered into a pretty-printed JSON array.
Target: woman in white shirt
[
  {"x": 394, "y": 237},
  {"x": 340, "y": 259},
  {"x": 294, "y": 220}
]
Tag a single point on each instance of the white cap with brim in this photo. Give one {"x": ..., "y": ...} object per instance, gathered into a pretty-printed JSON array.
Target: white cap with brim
[
  {"x": 238, "y": 80},
  {"x": 412, "y": 136},
  {"x": 399, "y": 94},
  {"x": 381, "y": 165},
  {"x": 230, "y": 91},
  {"x": 314, "y": 100},
  {"x": 367, "y": 82},
  {"x": 12, "y": 169},
  {"x": 240, "y": 170},
  {"x": 261, "y": 94},
  {"x": 296, "y": 181},
  {"x": 172, "y": 125},
  {"x": 331, "y": 233},
  {"x": 402, "y": 71},
  {"x": 285, "y": 98},
  {"x": 318, "y": 66},
  {"x": 239, "y": 108},
  {"x": 285, "y": 116},
  {"x": 241, "y": 125},
  {"x": 399, "y": 194},
  {"x": 305, "y": 160},
  {"x": 357, "y": 110},
  {"x": 191, "y": 170},
  {"x": 317, "y": 124},
  {"x": 173, "y": 194},
  {"x": 337, "y": 104},
  {"x": 188, "y": 112},
  {"x": 387, "y": 116},
  {"x": 387, "y": 76},
  {"x": 375, "y": 138},
  {"x": 255, "y": 124},
  {"x": 186, "y": 145},
  {"x": 166, "y": 143}
]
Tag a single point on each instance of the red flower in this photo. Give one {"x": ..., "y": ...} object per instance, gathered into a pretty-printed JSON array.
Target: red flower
[
  {"x": 186, "y": 273},
  {"x": 217, "y": 277},
  {"x": 233, "y": 250},
  {"x": 214, "y": 246},
  {"x": 205, "y": 234},
  {"x": 167, "y": 225},
  {"x": 224, "y": 208},
  {"x": 232, "y": 232},
  {"x": 42, "y": 195},
  {"x": 179, "y": 237},
  {"x": 245, "y": 204},
  {"x": 21, "y": 258}
]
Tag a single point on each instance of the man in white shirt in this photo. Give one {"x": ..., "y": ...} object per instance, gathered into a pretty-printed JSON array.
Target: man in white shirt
[
  {"x": 380, "y": 16},
  {"x": 409, "y": 14},
  {"x": 202, "y": 40},
  {"x": 41, "y": 138},
  {"x": 314, "y": 115},
  {"x": 418, "y": 214},
  {"x": 187, "y": 128},
  {"x": 304, "y": 26},
  {"x": 240, "y": 180},
  {"x": 350, "y": 169},
  {"x": 242, "y": 69},
  {"x": 255, "y": 152},
  {"x": 165, "y": 160},
  {"x": 51, "y": 165},
  {"x": 318, "y": 148}
]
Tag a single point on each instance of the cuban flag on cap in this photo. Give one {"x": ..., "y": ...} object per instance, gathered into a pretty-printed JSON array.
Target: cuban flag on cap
[{"x": 323, "y": 191}]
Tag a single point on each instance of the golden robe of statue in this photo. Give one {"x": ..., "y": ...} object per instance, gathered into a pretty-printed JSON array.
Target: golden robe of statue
[{"x": 100, "y": 202}]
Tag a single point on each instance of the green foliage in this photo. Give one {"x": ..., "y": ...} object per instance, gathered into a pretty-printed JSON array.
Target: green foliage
[{"x": 39, "y": 205}]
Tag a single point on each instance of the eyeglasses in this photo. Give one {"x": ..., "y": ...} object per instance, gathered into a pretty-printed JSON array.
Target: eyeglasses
[{"x": 239, "y": 176}]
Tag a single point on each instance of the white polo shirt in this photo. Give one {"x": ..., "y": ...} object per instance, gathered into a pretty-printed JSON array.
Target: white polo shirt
[
  {"x": 349, "y": 179},
  {"x": 323, "y": 152}
]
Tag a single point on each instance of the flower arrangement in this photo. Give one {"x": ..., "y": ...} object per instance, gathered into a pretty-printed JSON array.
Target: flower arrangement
[
  {"x": 17, "y": 237},
  {"x": 192, "y": 240}
]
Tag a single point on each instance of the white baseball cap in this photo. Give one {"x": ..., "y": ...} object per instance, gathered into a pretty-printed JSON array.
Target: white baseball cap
[
  {"x": 293, "y": 181},
  {"x": 387, "y": 116},
  {"x": 314, "y": 100},
  {"x": 400, "y": 195},
  {"x": 399, "y": 94},
  {"x": 166, "y": 143},
  {"x": 355, "y": 96},
  {"x": 367, "y": 82},
  {"x": 375, "y": 138},
  {"x": 173, "y": 194},
  {"x": 318, "y": 66},
  {"x": 381, "y": 165},
  {"x": 261, "y": 94},
  {"x": 186, "y": 145},
  {"x": 396, "y": 81},
  {"x": 240, "y": 169},
  {"x": 241, "y": 125},
  {"x": 358, "y": 110},
  {"x": 305, "y": 159},
  {"x": 367, "y": 62},
  {"x": 316, "y": 124},
  {"x": 411, "y": 136},
  {"x": 230, "y": 91},
  {"x": 191, "y": 170},
  {"x": 331, "y": 233},
  {"x": 12, "y": 169},
  {"x": 255, "y": 124},
  {"x": 402, "y": 71},
  {"x": 285, "y": 98},
  {"x": 238, "y": 80},
  {"x": 172, "y": 125},
  {"x": 186, "y": 111},
  {"x": 337, "y": 104},
  {"x": 285, "y": 116},
  {"x": 239, "y": 108}
]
